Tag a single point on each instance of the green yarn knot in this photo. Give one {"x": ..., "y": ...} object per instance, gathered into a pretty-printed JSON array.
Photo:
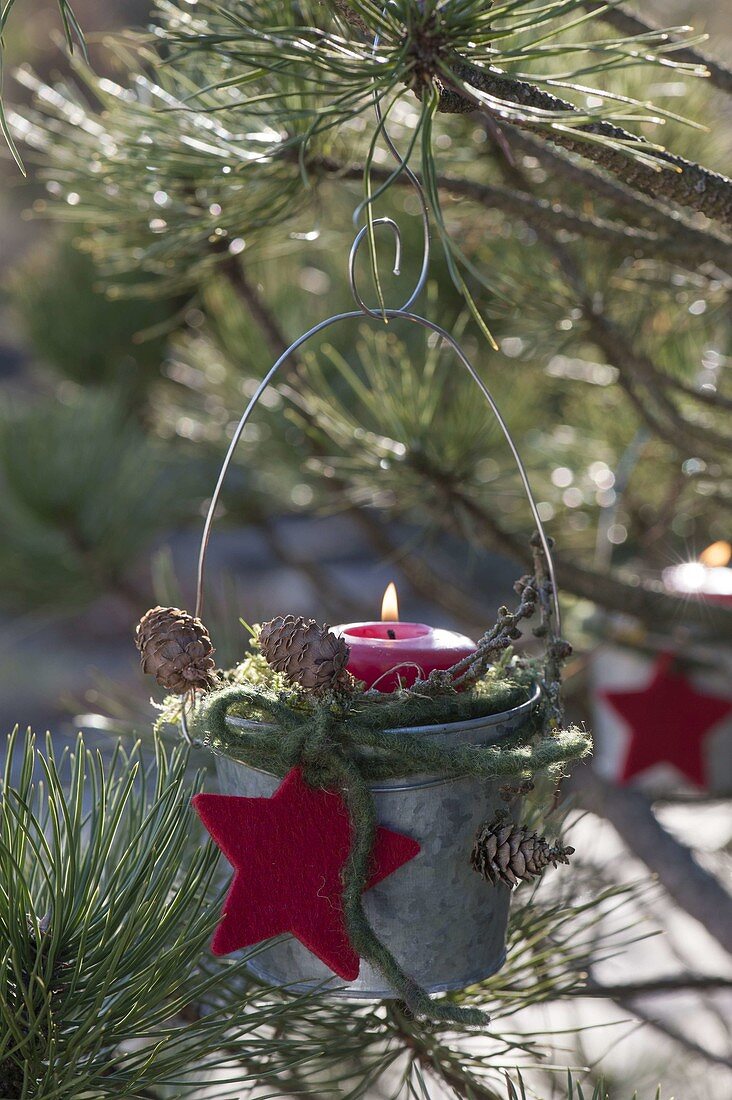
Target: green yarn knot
[{"x": 343, "y": 748}]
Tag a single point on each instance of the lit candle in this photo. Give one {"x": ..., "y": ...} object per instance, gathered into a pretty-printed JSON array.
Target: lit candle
[
  {"x": 388, "y": 653},
  {"x": 708, "y": 578}
]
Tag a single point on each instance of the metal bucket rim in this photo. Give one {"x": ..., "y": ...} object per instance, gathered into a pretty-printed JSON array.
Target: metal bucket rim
[{"x": 466, "y": 725}]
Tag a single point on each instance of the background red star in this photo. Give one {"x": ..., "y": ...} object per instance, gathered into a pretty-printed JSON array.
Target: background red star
[{"x": 668, "y": 721}]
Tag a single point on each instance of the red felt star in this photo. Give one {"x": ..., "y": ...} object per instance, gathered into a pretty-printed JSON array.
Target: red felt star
[
  {"x": 668, "y": 722},
  {"x": 288, "y": 852}
]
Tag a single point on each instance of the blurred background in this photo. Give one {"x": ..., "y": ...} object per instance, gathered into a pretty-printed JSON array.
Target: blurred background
[{"x": 124, "y": 366}]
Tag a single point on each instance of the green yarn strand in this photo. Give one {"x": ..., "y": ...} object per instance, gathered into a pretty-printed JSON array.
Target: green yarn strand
[
  {"x": 364, "y": 940},
  {"x": 309, "y": 738}
]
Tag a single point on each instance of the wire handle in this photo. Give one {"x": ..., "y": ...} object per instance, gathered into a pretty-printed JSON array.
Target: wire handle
[
  {"x": 389, "y": 314},
  {"x": 383, "y": 315}
]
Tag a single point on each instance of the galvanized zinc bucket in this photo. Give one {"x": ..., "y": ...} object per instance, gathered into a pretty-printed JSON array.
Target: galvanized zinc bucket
[{"x": 445, "y": 926}]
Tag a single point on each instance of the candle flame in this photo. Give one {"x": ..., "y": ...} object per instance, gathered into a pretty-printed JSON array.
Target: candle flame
[
  {"x": 390, "y": 605},
  {"x": 716, "y": 554}
]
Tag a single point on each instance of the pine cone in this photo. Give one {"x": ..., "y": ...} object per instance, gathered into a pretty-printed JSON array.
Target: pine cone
[
  {"x": 175, "y": 648},
  {"x": 506, "y": 852},
  {"x": 307, "y": 654}
]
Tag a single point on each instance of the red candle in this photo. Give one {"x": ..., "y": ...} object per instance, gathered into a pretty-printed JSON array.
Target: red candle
[{"x": 389, "y": 653}]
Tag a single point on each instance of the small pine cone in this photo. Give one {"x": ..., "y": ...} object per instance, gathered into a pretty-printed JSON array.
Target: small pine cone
[
  {"x": 175, "y": 648},
  {"x": 307, "y": 654},
  {"x": 506, "y": 852}
]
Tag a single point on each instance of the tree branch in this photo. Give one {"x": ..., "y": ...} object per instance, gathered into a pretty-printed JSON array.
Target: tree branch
[
  {"x": 618, "y": 350},
  {"x": 654, "y": 987},
  {"x": 598, "y": 185},
  {"x": 547, "y": 217},
  {"x": 675, "y": 1034},
  {"x": 629, "y": 812},
  {"x": 634, "y": 368},
  {"x": 437, "y": 1059},
  {"x": 675, "y": 180},
  {"x": 644, "y": 598},
  {"x": 702, "y": 249}
]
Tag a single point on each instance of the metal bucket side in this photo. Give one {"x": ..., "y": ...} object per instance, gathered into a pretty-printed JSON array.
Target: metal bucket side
[{"x": 443, "y": 923}]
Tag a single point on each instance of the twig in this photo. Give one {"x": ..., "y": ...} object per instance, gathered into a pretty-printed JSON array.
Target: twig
[
  {"x": 696, "y": 247},
  {"x": 598, "y": 185},
  {"x": 497, "y": 639},
  {"x": 676, "y": 1034},
  {"x": 618, "y": 349},
  {"x": 635, "y": 368},
  {"x": 629, "y": 812},
  {"x": 653, "y": 987},
  {"x": 618, "y": 16}
]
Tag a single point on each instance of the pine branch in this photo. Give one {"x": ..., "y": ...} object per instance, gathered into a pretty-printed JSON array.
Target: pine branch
[
  {"x": 638, "y": 209},
  {"x": 548, "y": 218},
  {"x": 655, "y": 987},
  {"x": 647, "y": 598},
  {"x": 619, "y": 351},
  {"x": 275, "y": 337},
  {"x": 674, "y": 180},
  {"x": 677, "y": 1035},
  {"x": 438, "y": 1060},
  {"x": 617, "y": 15},
  {"x": 555, "y": 215},
  {"x": 636, "y": 370},
  {"x": 685, "y": 880},
  {"x": 72, "y": 32},
  {"x": 63, "y": 466},
  {"x": 425, "y": 52},
  {"x": 466, "y": 87},
  {"x": 642, "y": 381}
]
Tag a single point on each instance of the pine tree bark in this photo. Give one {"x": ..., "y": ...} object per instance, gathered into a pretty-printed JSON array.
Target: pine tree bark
[{"x": 675, "y": 180}]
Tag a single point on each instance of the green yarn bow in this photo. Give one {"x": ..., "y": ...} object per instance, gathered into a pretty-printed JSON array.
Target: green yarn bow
[{"x": 328, "y": 744}]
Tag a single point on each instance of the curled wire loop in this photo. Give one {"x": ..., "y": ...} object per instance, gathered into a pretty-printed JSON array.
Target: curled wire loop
[{"x": 383, "y": 314}]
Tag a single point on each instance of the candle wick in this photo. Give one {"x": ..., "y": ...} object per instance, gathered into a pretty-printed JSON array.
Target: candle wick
[{"x": 391, "y": 634}]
